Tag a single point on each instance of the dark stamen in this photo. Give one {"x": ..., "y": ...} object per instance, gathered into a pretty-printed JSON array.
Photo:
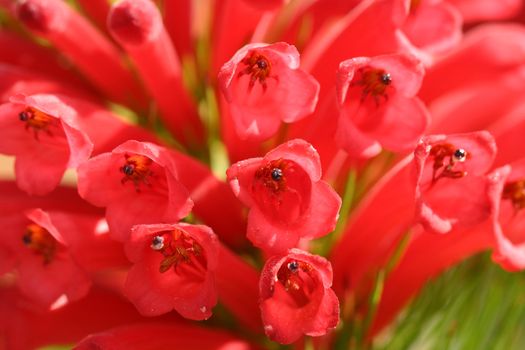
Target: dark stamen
[
  {"x": 293, "y": 266},
  {"x": 128, "y": 169},
  {"x": 277, "y": 174},
  {"x": 23, "y": 116},
  {"x": 460, "y": 155},
  {"x": 157, "y": 243},
  {"x": 386, "y": 78}
]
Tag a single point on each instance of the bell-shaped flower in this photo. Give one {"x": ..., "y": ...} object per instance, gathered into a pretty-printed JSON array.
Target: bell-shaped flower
[
  {"x": 508, "y": 197},
  {"x": 433, "y": 26},
  {"x": 174, "y": 268},
  {"x": 40, "y": 251},
  {"x": 450, "y": 185},
  {"x": 378, "y": 107},
  {"x": 296, "y": 297},
  {"x": 287, "y": 197},
  {"x": 264, "y": 86},
  {"x": 43, "y": 134},
  {"x": 137, "y": 183}
]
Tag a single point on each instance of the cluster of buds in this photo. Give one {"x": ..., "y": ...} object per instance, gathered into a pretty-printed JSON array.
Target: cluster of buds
[{"x": 170, "y": 156}]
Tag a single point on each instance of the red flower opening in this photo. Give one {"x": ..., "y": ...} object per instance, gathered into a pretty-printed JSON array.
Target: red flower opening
[
  {"x": 296, "y": 297},
  {"x": 174, "y": 268},
  {"x": 137, "y": 183},
  {"x": 451, "y": 186},
  {"x": 282, "y": 190},
  {"x": 44, "y": 135},
  {"x": 263, "y": 86},
  {"x": 378, "y": 107}
]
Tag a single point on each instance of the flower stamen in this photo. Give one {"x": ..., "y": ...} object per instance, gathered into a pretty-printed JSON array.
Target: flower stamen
[
  {"x": 259, "y": 67},
  {"x": 374, "y": 82},
  {"x": 137, "y": 169},
  {"x": 295, "y": 277},
  {"x": 444, "y": 151},
  {"x": 39, "y": 240},
  {"x": 515, "y": 191},
  {"x": 36, "y": 120},
  {"x": 177, "y": 247},
  {"x": 272, "y": 175}
]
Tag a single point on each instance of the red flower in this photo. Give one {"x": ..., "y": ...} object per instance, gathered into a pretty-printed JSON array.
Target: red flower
[
  {"x": 174, "y": 268},
  {"x": 263, "y": 86},
  {"x": 431, "y": 25},
  {"x": 163, "y": 336},
  {"x": 450, "y": 187},
  {"x": 137, "y": 183},
  {"x": 378, "y": 107},
  {"x": 40, "y": 251},
  {"x": 42, "y": 132},
  {"x": 287, "y": 197},
  {"x": 296, "y": 297},
  {"x": 508, "y": 197}
]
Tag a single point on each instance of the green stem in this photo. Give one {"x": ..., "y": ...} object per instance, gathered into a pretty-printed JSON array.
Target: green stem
[
  {"x": 373, "y": 304},
  {"x": 348, "y": 200},
  {"x": 398, "y": 252},
  {"x": 219, "y": 161}
]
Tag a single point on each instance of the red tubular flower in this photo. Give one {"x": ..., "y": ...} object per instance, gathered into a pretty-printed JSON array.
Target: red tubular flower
[
  {"x": 137, "y": 26},
  {"x": 239, "y": 291},
  {"x": 174, "y": 268},
  {"x": 508, "y": 197},
  {"x": 378, "y": 107},
  {"x": 288, "y": 200},
  {"x": 433, "y": 26},
  {"x": 43, "y": 134},
  {"x": 367, "y": 242},
  {"x": 62, "y": 199},
  {"x": 162, "y": 336},
  {"x": 225, "y": 40},
  {"x": 47, "y": 273},
  {"x": 450, "y": 187},
  {"x": 25, "y": 54},
  {"x": 474, "y": 11},
  {"x": 263, "y": 86},
  {"x": 137, "y": 183},
  {"x": 24, "y": 328},
  {"x": 97, "y": 10},
  {"x": 296, "y": 297},
  {"x": 477, "y": 79},
  {"x": 178, "y": 18},
  {"x": 62, "y": 26},
  {"x": 426, "y": 257}
]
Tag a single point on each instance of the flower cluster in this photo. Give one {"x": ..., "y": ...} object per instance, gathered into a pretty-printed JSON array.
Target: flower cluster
[{"x": 279, "y": 158}]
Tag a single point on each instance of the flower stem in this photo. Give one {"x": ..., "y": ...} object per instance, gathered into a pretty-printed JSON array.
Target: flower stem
[
  {"x": 219, "y": 161},
  {"x": 348, "y": 200}
]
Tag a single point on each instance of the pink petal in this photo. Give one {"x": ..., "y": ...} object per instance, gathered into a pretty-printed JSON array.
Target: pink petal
[
  {"x": 401, "y": 124},
  {"x": 324, "y": 212},
  {"x": 435, "y": 27},
  {"x": 302, "y": 153},
  {"x": 264, "y": 233}
]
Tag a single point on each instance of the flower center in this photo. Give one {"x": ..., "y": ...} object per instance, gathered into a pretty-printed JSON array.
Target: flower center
[
  {"x": 272, "y": 176},
  {"x": 177, "y": 247},
  {"x": 295, "y": 277},
  {"x": 374, "y": 82},
  {"x": 259, "y": 69},
  {"x": 515, "y": 191},
  {"x": 282, "y": 190},
  {"x": 137, "y": 169},
  {"x": 39, "y": 240},
  {"x": 36, "y": 120},
  {"x": 446, "y": 156}
]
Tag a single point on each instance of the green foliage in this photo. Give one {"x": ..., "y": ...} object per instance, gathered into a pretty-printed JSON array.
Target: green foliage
[{"x": 475, "y": 305}]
